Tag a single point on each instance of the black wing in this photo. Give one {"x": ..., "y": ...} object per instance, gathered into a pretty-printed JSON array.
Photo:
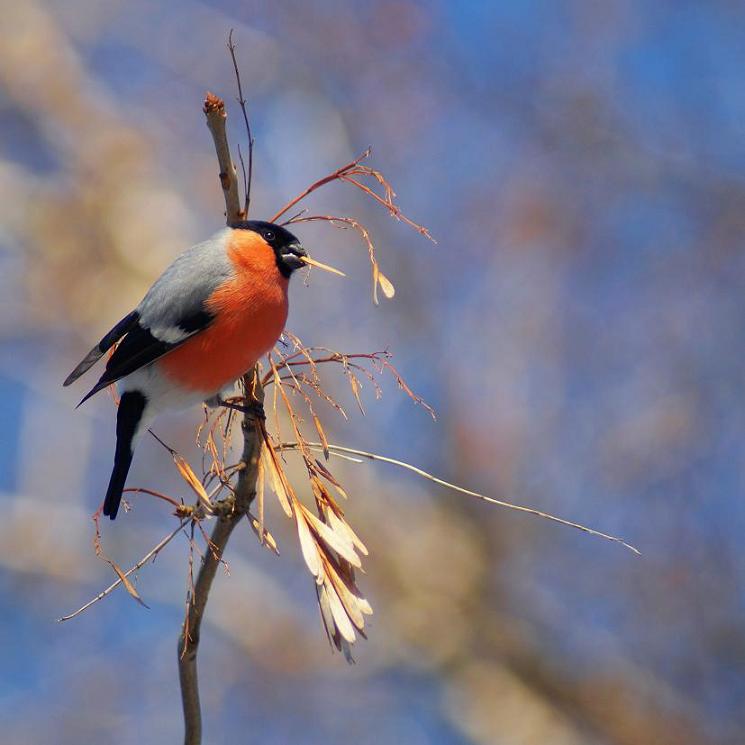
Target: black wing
[
  {"x": 90, "y": 359},
  {"x": 140, "y": 348}
]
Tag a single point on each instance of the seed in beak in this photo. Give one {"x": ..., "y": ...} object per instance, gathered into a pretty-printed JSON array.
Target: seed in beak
[{"x": 326, "y": 268}]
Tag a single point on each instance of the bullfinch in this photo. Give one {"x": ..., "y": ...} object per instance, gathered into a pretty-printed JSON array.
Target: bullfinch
[{"x": 208, "y": 318}]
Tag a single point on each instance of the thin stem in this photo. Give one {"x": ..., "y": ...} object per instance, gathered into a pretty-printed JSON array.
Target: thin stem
[
  {"x": 336, "y": 175},
  {"x": 338, "y": 449},
  {"x": 149, "y": 555},
  {"x": 242, "y": 102}
]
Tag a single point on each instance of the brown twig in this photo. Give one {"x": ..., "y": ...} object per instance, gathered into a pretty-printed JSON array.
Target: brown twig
[
  {"x": 235, "y": 508},
  {"x": 242, "y": 102},
  {"x": 151, "y": 554},
  {"x": 337, "y": 174}
]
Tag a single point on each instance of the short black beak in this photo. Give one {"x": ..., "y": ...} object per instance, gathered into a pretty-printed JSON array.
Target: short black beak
[{"x": 292, "y": 255}]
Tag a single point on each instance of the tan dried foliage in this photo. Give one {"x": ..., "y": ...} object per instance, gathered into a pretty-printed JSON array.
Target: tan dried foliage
[{"x": 330, "y": 547}]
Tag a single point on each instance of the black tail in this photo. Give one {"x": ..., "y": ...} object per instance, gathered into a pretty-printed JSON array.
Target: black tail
[{"x": 131, "y": 406}]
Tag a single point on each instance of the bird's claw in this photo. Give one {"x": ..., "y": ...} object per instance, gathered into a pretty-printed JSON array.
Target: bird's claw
[{"x": 253, "y": 410}]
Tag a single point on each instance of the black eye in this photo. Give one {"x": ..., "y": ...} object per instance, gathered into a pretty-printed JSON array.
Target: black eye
[{"x": 268, "y": 235}]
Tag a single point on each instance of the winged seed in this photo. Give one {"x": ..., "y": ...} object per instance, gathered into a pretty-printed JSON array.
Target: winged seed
[
  {"x": 333, "y": 540},
  {"x": 341, "y": 619},
  {"x": 308, "y": 545}
]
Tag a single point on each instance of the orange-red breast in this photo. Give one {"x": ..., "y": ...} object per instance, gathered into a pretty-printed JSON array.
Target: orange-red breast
[{"x": 208, "y": 318}]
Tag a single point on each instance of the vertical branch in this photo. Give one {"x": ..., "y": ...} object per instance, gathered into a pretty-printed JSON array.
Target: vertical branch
[
  {"x": 214, "y": 110},
  {"x": 231, "y": 511},
  {"x": 229, "y": 514}
]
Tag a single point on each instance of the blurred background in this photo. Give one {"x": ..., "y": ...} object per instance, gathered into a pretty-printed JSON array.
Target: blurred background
[{"x": 578, "y": 329}]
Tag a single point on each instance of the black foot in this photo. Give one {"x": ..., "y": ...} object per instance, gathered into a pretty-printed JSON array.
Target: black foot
[{"x": 254, "y": 410}]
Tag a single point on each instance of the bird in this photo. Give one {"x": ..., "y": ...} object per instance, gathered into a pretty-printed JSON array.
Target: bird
[{"x": 213, "y": 313}]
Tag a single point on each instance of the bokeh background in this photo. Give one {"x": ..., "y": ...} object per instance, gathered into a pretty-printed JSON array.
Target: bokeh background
[{"x": 578, "y": 328}]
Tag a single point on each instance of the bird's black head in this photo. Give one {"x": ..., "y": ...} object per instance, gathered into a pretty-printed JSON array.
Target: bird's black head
[{"x": 286, "y": 246}]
